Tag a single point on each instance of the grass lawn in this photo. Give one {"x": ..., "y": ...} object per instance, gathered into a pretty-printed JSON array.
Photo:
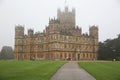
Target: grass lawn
[
  {"x": 102, "y": 70},
  {"x": 28, "y": 70}
]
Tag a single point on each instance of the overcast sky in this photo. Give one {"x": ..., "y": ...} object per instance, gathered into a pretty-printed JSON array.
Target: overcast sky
[{"x": 35, "y": 14}]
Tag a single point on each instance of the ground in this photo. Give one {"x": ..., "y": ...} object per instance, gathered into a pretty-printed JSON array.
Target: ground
[
  {"x": 102, "y": 70},
  {"x": 72, "y": 71},
  {"x": 28, "y": 70},
  {"x": 44, "y": 70}
]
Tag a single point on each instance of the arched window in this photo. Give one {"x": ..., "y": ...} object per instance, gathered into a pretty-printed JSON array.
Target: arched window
[{"x": 83, "y": 55}]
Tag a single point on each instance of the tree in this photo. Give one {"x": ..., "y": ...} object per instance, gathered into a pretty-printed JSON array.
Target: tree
[
  {"x": 109, "y": 49},
  {"x": 6, "y": 53}
]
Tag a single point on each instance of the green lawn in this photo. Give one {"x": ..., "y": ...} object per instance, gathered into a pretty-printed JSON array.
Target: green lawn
[
  {"x": 102, "y": 70},
  {"x": 28, "y": 70}
]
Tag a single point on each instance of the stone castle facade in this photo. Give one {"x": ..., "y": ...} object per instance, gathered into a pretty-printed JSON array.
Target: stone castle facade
[{"x": 60, "y": 40}]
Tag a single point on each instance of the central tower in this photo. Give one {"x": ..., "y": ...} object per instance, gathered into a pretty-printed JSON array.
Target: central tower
[{"x": 66, "y": 18}]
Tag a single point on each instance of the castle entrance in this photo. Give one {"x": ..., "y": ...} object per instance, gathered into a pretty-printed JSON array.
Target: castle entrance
[{"x": 78, "y": 56}]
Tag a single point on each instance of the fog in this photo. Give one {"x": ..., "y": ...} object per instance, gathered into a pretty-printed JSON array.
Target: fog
[{"x": 35, "y": 14}]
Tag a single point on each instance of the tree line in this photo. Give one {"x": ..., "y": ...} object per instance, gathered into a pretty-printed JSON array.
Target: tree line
[{"x": 109, "y": 49}]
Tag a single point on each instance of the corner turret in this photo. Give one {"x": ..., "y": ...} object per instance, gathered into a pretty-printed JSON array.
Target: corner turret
[
  {"x": 19, "y": 31},
  {"x": 30, "y": 32},
  {"x": 93, "y": 31}
]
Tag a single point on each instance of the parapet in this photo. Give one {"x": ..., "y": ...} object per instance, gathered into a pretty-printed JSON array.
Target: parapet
[
  {"x": 52, "y": 21},
  {"x": 93, "y": 27},
  {"x": 19, "y": 27}
]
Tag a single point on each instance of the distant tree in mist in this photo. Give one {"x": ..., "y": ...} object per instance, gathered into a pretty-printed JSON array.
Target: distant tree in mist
[{"x": 6, "y": 53}]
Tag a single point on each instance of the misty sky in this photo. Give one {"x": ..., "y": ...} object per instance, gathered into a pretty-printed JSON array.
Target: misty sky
[{"x": 35, "y": 14}]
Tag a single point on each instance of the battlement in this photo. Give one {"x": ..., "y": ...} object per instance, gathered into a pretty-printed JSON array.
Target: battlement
[
  {"x": 53, "y": 21},
  {"x": 66, "y": 10},
  {"x": 93, "y": 27},
  {"x": 20, "y": 27}
]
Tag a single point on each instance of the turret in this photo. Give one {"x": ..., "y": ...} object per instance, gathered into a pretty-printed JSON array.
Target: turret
[
  {"x": 66, "y": 9},
  {"x": 30, "y": 32},
  {"x": 19, "y": 36},
  {"x": 53, "y": 25},
  {"x": 58, "y": 13},
  {"x": 19, "y": 31},
  {"x": 93, "y": 31},
  {"x": 73, "y": 10}
]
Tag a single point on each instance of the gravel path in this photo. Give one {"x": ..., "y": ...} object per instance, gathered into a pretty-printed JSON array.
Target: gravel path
[{"x": 71, "y": 71}]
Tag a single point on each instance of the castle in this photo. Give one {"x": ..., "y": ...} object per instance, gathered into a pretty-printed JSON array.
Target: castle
[{"x": 61, "y": 40}]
